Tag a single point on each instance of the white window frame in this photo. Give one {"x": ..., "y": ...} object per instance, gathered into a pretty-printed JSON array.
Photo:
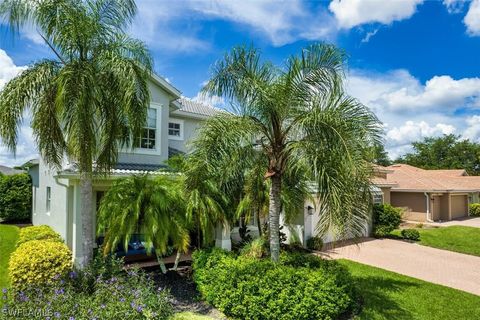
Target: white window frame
[
  {"x": 158, "y": 135},
  {"x": 179, "y": 122},
  {"x": 48, "y": 200}
]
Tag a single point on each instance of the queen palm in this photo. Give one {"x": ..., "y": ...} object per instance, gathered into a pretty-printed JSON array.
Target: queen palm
[
  {"x": 89, "y": 99},
  {"x": 304, "y": 126},
  {"x": 151, "y": 207}
]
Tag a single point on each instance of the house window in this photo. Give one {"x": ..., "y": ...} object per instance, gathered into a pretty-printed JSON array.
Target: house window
[
  {"x": 174, "y": 129},
  {"x": 377, "y": 198},
  {"x": 48, "y": 198},
  {"x": 148, "y": 137}
]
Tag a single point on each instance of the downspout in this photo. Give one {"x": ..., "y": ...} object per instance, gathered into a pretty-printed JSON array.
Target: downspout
[{"x": 427, "y": 199}]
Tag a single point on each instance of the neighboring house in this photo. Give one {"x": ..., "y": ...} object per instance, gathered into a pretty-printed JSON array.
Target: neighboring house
[
  {"x": 432, "y": 195},
  {"x": 7, "y": 171},
  {"x": 172, "y": 121}
]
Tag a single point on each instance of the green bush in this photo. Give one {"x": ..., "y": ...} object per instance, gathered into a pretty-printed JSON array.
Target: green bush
[
  {"x": 299, "y": 287},
  {"x": 315, "y": 243},
  {"x": 42, "y": 232},
  {"x": 38, "y": 262},
  {"x": 474, "y": 209},
  {"x": 410, "y": 234},
  {"x": 385, "y": 219},
  {"x": 15, "y": 198},
  {"x": 114, "y": 295}
]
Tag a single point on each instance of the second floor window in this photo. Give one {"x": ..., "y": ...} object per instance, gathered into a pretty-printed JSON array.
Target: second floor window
[
  {"x": 148, "y": 137},
  {"x": 174, "y": 129}
]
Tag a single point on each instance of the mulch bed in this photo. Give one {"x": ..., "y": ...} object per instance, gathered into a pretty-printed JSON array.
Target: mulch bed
[{"x": 185, "y": 296}]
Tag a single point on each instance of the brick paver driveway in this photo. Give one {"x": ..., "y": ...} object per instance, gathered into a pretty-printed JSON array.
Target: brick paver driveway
[{"x": 443, "y": 267}]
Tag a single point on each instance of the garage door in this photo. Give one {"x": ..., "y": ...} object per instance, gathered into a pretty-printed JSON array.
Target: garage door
[{"x": 459, "y": 206}]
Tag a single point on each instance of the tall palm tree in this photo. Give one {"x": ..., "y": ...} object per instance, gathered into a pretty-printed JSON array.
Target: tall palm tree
[
  {"x": 304, "y": 125},
  {"x": 152, "y": 207},
  {"x": 90, "y": 99}
]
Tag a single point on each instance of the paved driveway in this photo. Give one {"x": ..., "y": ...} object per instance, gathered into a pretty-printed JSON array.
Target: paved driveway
[
  {"x": 469, "y": 222},
  {"x": 443, "y": 267}
]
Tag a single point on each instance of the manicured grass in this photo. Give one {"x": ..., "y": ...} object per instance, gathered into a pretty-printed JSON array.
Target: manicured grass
[
  {"x": 190, "y": 316},
  {"x": 455, "y": 238},
  {"x": 8, "y": 238},
  {"x": 388, "y": 295}
]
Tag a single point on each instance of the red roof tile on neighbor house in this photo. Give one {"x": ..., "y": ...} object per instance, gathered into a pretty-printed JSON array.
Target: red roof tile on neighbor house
[{"x": 412, "y": 178}]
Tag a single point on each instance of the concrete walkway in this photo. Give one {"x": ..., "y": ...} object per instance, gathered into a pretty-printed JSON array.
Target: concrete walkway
[
  {"x": 468, "y": 222},
  {"x": 451, "y": 269}
]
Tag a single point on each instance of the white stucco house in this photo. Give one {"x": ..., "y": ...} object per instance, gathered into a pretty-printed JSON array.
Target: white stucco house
[{"x": 172, "y": 121}]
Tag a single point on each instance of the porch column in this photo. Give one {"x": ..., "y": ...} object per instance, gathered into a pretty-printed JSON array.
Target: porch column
[{"x": 222, "y": 236}]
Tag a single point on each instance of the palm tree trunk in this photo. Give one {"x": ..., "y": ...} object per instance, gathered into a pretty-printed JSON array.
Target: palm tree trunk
[
  {"x": 274, "y": 217},
  {"x": 177, "y": 260},
  {"x": 86, "y": 205},
  {"x": 160, "y": 262},
  {"x": 259, "y": 224}
]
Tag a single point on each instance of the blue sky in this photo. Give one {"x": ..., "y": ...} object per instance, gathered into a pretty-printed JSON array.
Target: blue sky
[{"x": 414, "y": 63}]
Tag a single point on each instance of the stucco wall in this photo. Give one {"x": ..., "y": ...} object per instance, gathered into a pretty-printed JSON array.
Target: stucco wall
[
  {"x": 190, "y": 126},
  {"x": 386, "y": 195}
]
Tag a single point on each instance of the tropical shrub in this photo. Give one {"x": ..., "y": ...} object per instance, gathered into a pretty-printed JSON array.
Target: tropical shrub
[
  {"x": 410, "y": 234},
  {"x": 114, "y": 295},
  {"x": 295, "y": 288},
  {"x": 15, "y": 197},
  {"x": 38, "y": 262},
  {"x": 474, "y": 209},
  {"x": 42, "y": 232},
  {"x": 315, "y": 243},
  {"x": 256, "y": 248},
  {"x": 385, "y": 219}
]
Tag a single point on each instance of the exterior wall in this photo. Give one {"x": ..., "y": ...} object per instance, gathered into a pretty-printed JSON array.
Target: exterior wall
[
  {"x": 414, "y": 204},
  {"x": 188, "y": 128},
  {"x": 445, "y": 207},
  {"x": 160, "y": 100},
  {"x": 56, "y": 217},
  {"x": 386, "y": 195},
  {"x": 459, "y": 206}
]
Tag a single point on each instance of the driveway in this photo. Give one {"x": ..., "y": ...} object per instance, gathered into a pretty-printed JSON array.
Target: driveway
[
  {"x": 451, "y": 269},
  {"x": 468, "y": 222}
]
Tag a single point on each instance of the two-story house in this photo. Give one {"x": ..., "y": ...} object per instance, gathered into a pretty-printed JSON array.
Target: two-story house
[{"x": 172, "y": 121}]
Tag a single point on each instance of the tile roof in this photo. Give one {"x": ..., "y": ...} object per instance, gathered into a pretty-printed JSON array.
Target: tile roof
[
  {"x": 412, "y": 178},
  {"x": 196, "y": 107}
]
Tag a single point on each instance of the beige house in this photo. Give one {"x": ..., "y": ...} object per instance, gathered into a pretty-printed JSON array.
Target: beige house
[{"x": 430, "y": 195}]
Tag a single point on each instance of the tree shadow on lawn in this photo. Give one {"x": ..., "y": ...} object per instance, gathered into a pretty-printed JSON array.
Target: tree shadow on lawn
[{"x": 376, "y": 301}]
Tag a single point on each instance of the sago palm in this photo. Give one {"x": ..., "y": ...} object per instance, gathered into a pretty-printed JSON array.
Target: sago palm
[
  {"x": 150, "y": 206},
  {"x": 303, "y": 124},
  {"x": 90, "y": 99}
]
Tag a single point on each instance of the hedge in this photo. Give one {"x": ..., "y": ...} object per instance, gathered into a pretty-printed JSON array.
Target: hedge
[
  {"x": 300, "y": 287},
  {"x": 42, "y": 232},
  {"x": 15, "y": 197},
  {"x": 38, "y": 262},
  {"x": 474, "y": 209},
  {"x": 385, "y": 219}
]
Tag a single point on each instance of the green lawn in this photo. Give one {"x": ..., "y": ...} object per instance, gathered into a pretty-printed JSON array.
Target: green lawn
[
  {"x": 455, "y": 238},
  {"x": 8, "y": 238},
  {"x": 388, "y": 295}
]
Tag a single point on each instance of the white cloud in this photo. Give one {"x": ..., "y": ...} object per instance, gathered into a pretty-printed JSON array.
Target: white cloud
[
  {"x": 369, "y": 35},
  {"x": 351, "y": 13},
  {"x": 454, "y": 6},
  {"x": 412, "y": 111},
  {"x": 215, "y": 101},
  {"x": 26, "y": 148},
  {"x": 472, "y": 19}
]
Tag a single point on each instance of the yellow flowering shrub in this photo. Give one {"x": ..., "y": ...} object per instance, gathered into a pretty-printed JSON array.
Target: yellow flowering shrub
[
  {"x": 38, "y": 262},
  {"x": 43, "y": 232}
]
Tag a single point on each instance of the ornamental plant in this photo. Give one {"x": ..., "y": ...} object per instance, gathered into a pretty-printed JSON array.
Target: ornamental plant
[
  {"x": 42, "y": 232},
  {"x": 38, "y": 262}
]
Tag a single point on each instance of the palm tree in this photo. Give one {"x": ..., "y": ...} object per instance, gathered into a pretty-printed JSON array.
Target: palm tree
[
  {"x": 89, "y": 100},
  {"x": 152, "y": 207},
  {"x": 303, "y": 124}
]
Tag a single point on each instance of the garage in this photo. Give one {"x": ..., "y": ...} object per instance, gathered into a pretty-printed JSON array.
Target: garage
[{"x": 459, "y": 206}]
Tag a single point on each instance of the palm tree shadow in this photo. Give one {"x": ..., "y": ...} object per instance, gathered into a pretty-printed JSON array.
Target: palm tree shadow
[{"x": 375, "y": 298}]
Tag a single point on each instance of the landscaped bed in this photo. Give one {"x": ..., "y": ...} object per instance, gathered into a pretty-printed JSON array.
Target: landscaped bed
[
  {"x": 388, "y": 295},
  {"x": 455, "y": 238}
]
